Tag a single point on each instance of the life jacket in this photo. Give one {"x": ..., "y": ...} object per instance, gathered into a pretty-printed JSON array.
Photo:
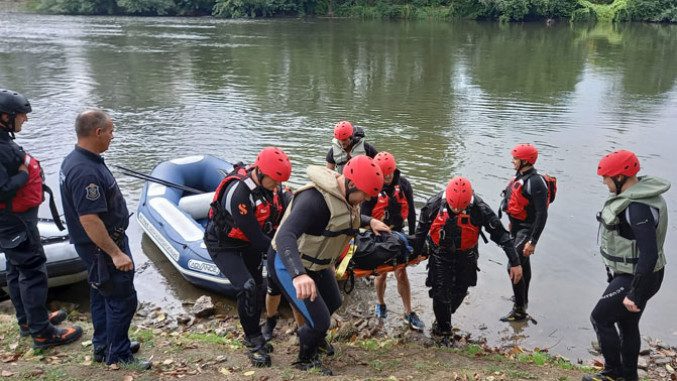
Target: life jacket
[
  {"x": 31, "y": 194},
  {"x": 515, "y": 200},
  {"x": 460, "y": 224},
  {"x": 320, "y": 251},
  {"x": 341, "y": 157},
  {"x": 267, "y": 211},
  {"x": 381, "y": 210},
  {"x": 618, "y": 253}
]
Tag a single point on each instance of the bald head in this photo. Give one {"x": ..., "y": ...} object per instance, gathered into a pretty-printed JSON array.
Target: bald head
[{"x": 89, "y": 121}]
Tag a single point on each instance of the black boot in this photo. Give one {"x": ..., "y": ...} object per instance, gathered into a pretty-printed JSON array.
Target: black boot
[
  {"x": 269, "y": 326},
  {"x": 326, "y": 348},
  {"x": 517, "y": 314},
  {"x": 309, "y": 360},
  {"x": 442, "y": 337},
  {"x": 605, "y": 375},
  {"x": 257, "y": 351}
]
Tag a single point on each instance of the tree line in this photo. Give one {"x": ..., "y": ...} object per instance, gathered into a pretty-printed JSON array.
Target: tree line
[{"x": 501, "y": 10}]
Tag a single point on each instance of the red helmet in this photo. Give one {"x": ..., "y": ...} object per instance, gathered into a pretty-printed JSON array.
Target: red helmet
[
  {"x": 274, "y": 163},
  {"x": 343, "y": 130},
  {"x": 526, "y": 152},
  {"x": 459, "y": 193},
  {"x": 365, "y": 174},
  {"x": 386, "y": 161},
  {"x": 621, "y": 162}
]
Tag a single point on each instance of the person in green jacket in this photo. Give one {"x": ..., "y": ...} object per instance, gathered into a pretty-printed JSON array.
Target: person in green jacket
[{"x": 633, "y": 225}]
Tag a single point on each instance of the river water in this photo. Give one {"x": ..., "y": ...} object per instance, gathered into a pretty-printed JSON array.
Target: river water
[{"x": 444, "y": 98}]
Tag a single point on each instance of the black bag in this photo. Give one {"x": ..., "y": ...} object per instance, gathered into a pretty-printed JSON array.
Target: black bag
[
  {"x": 374, "y": 250},
  {"x": 13, "y": 230}
]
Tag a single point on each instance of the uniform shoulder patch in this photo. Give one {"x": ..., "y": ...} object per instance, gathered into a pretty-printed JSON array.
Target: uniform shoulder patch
[
  {"x": 93, "y": 192},
  {"x": 243, "y": 209}
]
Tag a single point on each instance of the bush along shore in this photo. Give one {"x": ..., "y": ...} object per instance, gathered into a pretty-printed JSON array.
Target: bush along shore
[
  {"x": 500, "y": 10},
  {"x": 202, "y": 345}
]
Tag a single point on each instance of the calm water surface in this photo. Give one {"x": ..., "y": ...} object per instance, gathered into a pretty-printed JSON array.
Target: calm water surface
[{"x": 444, "y": 98}]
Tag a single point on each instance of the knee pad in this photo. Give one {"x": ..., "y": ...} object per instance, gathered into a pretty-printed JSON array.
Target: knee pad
[{"x": 250, "y": 293}]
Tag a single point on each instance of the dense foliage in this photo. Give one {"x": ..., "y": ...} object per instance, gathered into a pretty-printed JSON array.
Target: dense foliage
[{"x": 503, "y": 10}]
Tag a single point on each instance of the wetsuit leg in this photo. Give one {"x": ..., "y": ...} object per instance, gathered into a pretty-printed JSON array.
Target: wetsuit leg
[
  {"x": 440, "y": 281},
  {"x": 521, "y": 289},
  {"x": 27, "y": 280},
  {"x": 316, "y": 313},
  {"x": 243, "y": 268}
]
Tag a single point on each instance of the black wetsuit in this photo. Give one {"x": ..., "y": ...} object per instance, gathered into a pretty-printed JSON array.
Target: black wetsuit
[
  {"x": 394, "y": 216},
  {"x": 452, "y": 271},
  {"x": 529, "y": 230},
  {"x": 621, "y": 349}
]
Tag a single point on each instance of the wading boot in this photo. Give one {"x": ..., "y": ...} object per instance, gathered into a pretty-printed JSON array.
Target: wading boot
[
  {"x": 55, "y": 318},
  {"x": 517, "y": 314},
  {"x": 309, "y": 360},
  {"x": 605, "y": 375},
  {"x": 442, "y": 337},
  {"x": 325, "y": 348},
  {"x": 54, "y": 336},
  {"x": 257, "y": 351},
  {"x": 269, "y": 326}
]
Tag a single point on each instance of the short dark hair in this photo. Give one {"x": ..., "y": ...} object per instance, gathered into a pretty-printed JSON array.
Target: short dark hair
[{"x": 89, "y": 121}]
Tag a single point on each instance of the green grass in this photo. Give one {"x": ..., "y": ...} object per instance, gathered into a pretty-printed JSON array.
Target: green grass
[{"x": 212, "y": 338}]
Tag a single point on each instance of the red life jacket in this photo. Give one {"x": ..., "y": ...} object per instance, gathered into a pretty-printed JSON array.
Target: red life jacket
[
  {"x": 31, "y": 194},
  {"x": 380, "y": 209},
  {"x": 267, "y": 213},
  {"x": 470, "y": 232},
  {"x": 515, "y": 202}
]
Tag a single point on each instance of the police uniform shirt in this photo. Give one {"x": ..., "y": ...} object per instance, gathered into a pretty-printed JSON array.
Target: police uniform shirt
[{"x": 88, "y": 187}]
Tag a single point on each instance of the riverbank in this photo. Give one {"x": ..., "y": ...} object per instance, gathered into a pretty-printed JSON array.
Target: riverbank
[{"x": 210, "y": 348}]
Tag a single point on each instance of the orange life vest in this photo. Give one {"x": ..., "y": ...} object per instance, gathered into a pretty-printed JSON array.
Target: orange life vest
[
  {"x": 470, "y": 232},
  {"x": 31, "y": 194},
  {"x": 267, "y": 212},
  {"x": 380, "y": 210},
  {"x": 515, "y": 203}
]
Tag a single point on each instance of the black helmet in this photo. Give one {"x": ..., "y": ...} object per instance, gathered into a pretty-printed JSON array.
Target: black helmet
[{"x": 12, "y": 102}]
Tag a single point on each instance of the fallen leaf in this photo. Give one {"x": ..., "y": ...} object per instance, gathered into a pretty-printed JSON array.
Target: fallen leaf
[
  {"x": 13, "y": 346},
  {"x": 128, "y": 378},
  {"x": 168, "y": 362},
  {"x": 669, "y": 368},
  {"x": 86, "y": 344},
  {"x": 224, "y": 371},
  {"x": 6, "y": 373},
  {"x": 250, "y": 373},
  {"x": 114, "y": 367}
]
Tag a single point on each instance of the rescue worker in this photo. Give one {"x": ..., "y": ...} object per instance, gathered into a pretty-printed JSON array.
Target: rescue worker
[
  {"x": 525, "y": 201},
  {"x": 633, "y": 226},
  {"x": 394, "y": 205},
  {"x": 348, "y": 142},
  {"x": 97, "y": 217},
  {"x": 315, "y": 229},
  {"x": 450, "y": 224},
  {"x": 247, "y": 207},
  {"x": 21, "y": 193}
]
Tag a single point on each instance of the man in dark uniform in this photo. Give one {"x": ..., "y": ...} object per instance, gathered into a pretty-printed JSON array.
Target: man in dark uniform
[
  {"x": 451, "y": 223},
  {"x": 20, "y": 197},
  {"x": 526, "y": 204},
  {"x": 97, "y": 216}
]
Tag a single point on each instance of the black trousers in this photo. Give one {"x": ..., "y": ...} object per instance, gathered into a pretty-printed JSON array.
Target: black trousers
[
  {"x": 617, "y": 328},
  {"x": 243, "y": 268},
  {"x": 449, "y": 277},
  {"x": 26, "y": 271}
]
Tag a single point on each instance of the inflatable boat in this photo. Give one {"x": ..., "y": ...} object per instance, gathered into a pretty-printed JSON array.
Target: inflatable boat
[
  {"x": 173, "y": 213},
  {"x": 64, "y": 266}
]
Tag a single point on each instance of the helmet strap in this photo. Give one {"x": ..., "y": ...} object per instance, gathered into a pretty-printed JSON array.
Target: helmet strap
[
  {"x": 349, "y": 190},
  {"x": 10, "y": 126},
  {"x": 619, "y": 183}
]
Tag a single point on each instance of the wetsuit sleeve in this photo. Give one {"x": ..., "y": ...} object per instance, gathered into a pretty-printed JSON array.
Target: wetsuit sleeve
[
  {"x": 310, "y": 215},
  {"x": 364, "y": 220},
  {"x": 370, "y": 150},
  {"x": 498, "y": 233},
  {"x": 409, "y": 194},
  {"x": 87, "y": 190},
  {"x": 10, "y": 184},
  {"x": 643, "y": 226},
  {"x": 330, "y": 156},
  {"x": 424, "y": 222},
  {"x": 539, "y": 197},
  {"x": 244, "y": 215}
]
